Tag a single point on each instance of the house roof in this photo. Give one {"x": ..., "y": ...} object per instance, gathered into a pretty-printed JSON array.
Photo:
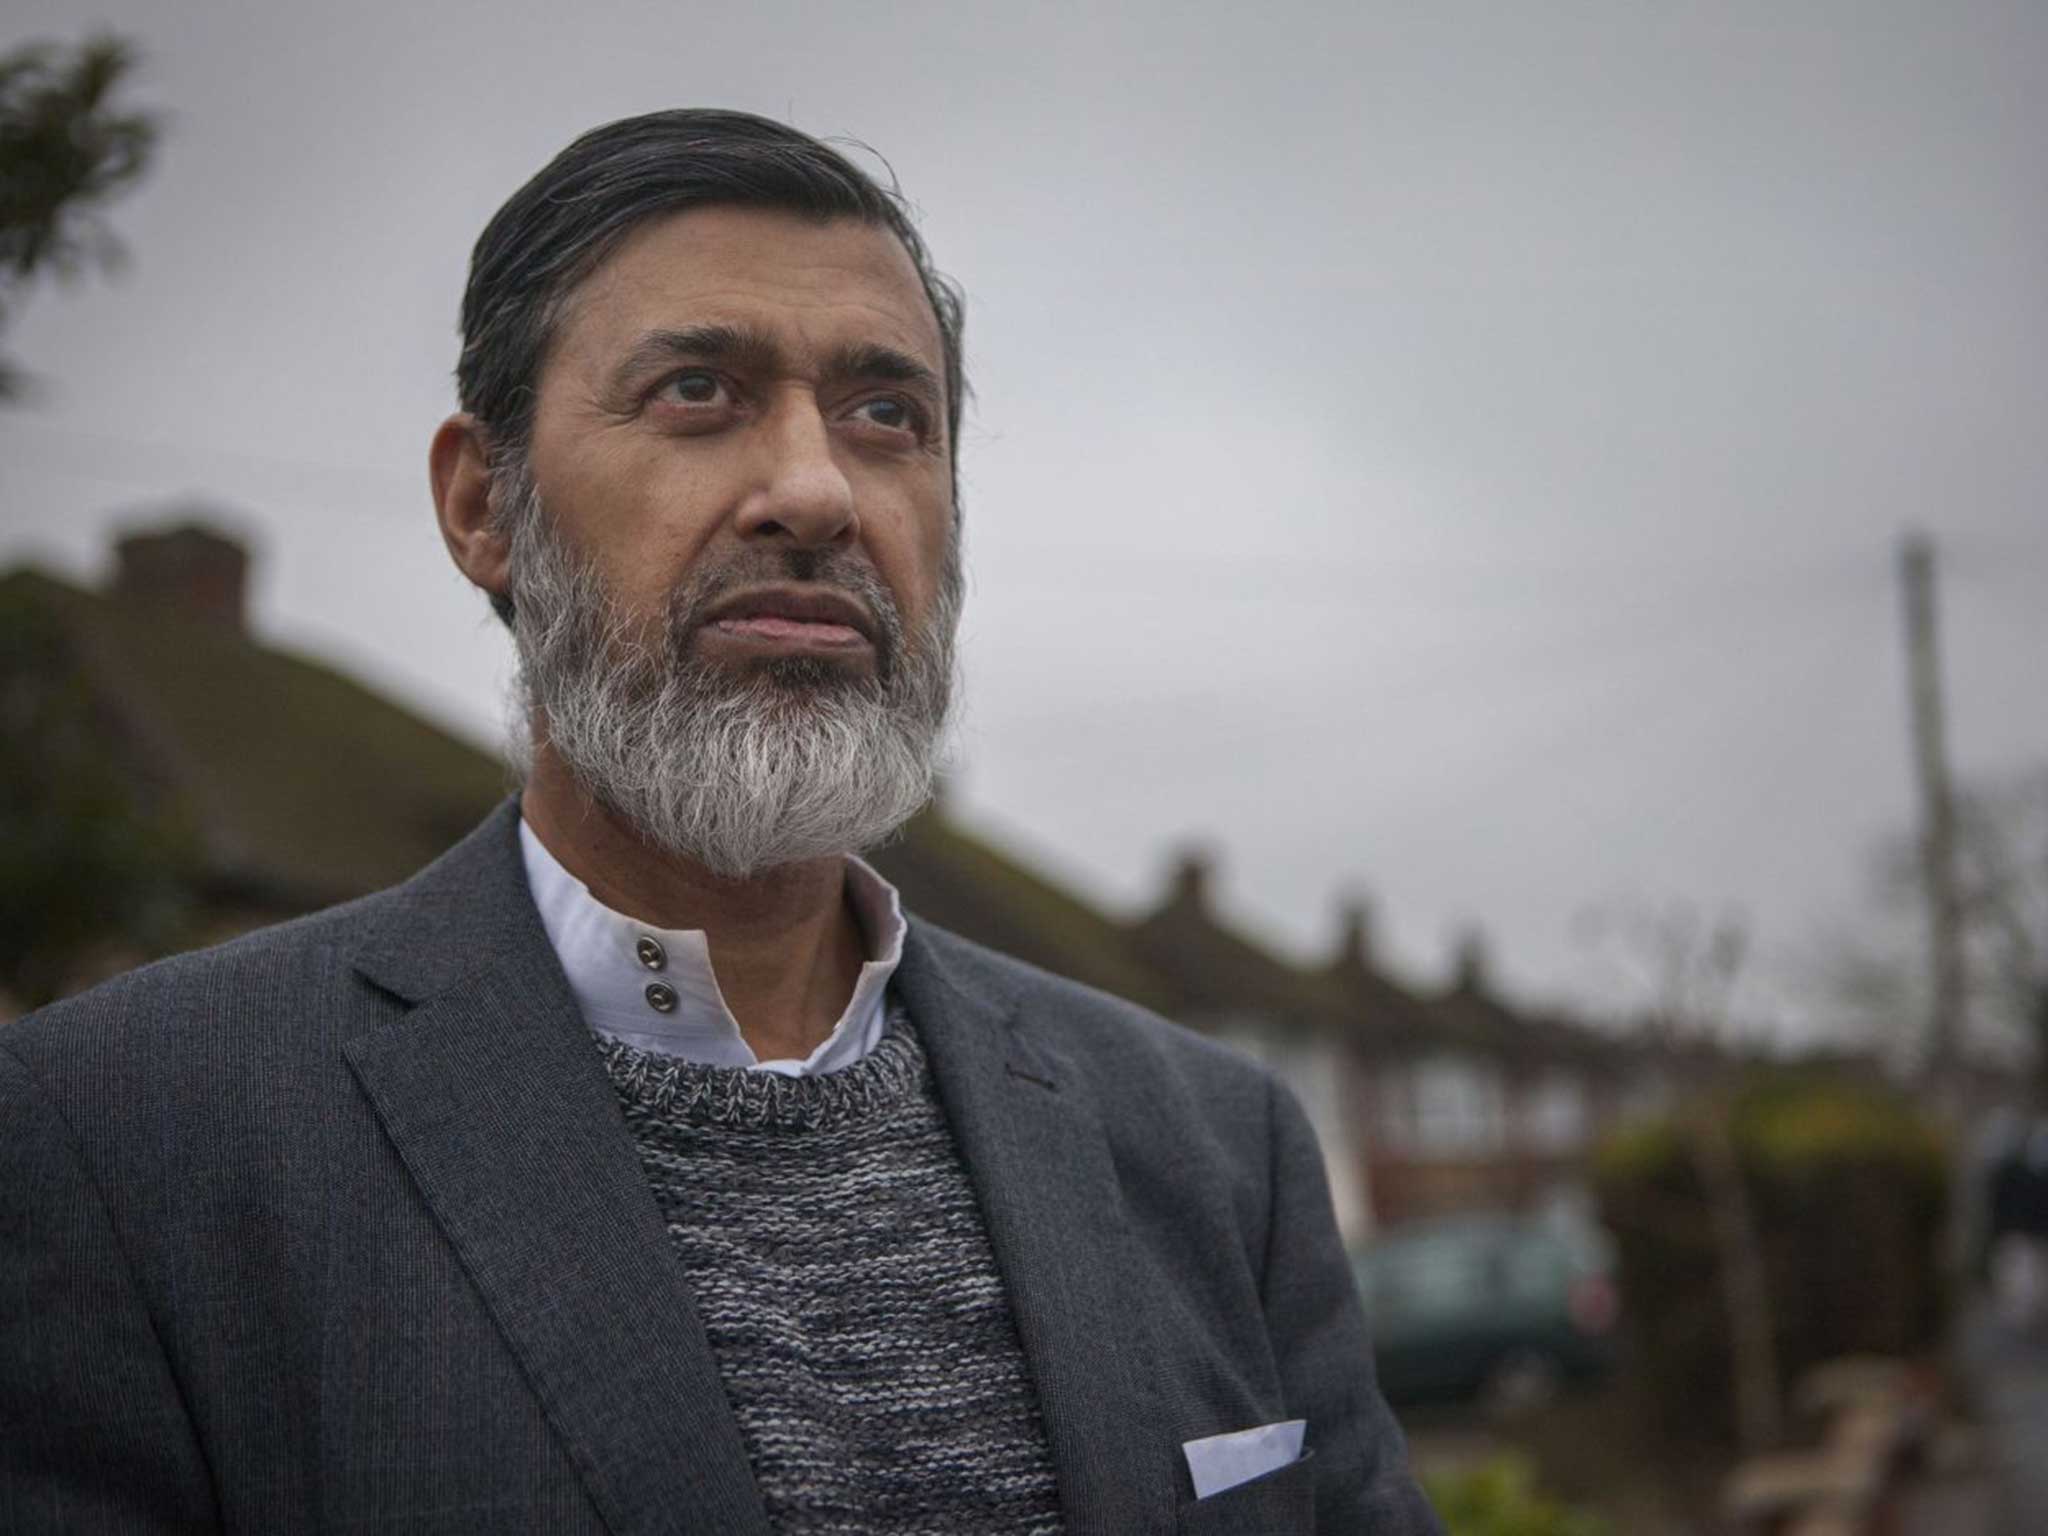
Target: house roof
[
  {"x": 1386, "y": 1018},
  {"x": 1209, "y": 970},
  {"x": 302, "y": 786},
  {"x": 1470, "y": 1012}
]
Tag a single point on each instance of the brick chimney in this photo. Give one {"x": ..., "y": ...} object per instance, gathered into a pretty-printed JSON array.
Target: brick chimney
[
  {"x": 189, "y": 569},
  {"x": 1354, "y": 933},
  {"x": 1470, "y": 972},
  {"x": 1193, "y": 869}
]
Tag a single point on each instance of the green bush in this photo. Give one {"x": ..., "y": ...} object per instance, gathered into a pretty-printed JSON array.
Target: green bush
[
  {"x": 1499, "y": 1498},
  {"x": 1847, "y": 1185}
]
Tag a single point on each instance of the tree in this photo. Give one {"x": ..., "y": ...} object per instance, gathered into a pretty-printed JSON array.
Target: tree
[
  {"x": 2002, "y": 847},
  {"x": 2001, "y": 852},
  {"x": 66, "y": 150},
  {"x": 1688, "y": 971}
]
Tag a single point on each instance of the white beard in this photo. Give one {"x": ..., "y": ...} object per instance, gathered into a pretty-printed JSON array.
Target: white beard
[{"x": 738, "y": 770}]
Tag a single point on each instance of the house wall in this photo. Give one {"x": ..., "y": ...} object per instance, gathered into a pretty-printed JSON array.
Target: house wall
[{"x": 1449, "y": 1132}]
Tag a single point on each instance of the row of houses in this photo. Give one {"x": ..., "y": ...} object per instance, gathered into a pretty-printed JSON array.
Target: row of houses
[{"x": 297, "y": 787}]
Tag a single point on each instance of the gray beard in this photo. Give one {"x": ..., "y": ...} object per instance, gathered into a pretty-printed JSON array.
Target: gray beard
[{"x": 738, "y": 769}]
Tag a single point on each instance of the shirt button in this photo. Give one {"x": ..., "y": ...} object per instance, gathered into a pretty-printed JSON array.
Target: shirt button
[
  {"x": 661, "y": 997},
  {"x": 650, "y": 952}
]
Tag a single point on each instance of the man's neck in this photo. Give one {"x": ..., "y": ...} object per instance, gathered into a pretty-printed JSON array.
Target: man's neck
[{"x": 784, "y": 944}]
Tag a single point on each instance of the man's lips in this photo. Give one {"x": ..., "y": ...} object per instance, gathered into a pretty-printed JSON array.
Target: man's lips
[
  {"x": 798, "y": 617},
  {"x": 794, "y": 631}
]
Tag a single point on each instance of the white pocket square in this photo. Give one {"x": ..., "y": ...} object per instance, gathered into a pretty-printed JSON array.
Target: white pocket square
[{"x": 1218, "y": 1462}]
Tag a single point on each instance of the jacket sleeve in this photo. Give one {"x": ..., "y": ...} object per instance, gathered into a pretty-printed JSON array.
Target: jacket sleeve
[
  {"x": 1318, "y": 1331},
  {"x": 94, "y": 1436}
]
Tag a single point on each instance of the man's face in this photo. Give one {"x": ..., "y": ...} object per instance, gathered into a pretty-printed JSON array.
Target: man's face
[
  {"x": 733, "y": 567},
  {"x": 739, "y": 398}
]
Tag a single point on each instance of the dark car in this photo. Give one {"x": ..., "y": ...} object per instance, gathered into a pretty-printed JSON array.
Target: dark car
[{"x": 1499, "y": 1310}]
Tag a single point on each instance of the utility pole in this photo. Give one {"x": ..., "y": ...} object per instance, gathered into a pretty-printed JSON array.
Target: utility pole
[{"x": 1937, "y": 809}]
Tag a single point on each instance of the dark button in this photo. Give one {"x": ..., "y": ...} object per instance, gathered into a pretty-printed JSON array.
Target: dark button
[
  {"x": 651, "y": 953},
  {"x": 661, "y": 997}
]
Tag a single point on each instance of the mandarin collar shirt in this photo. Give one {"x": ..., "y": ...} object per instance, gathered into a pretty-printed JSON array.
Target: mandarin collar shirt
[{"x": 653, "y": 988}]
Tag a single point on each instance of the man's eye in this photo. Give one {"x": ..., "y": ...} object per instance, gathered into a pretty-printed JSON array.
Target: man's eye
[
  {"x": 889, "y": 411},
  {"x": 697, "y": 387}
]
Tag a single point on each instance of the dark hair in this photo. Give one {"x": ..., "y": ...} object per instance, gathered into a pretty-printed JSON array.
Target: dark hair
[{"x": 554, "y": 231}]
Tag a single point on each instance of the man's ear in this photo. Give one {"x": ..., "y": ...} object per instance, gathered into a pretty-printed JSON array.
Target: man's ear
[{"x": 458, "y": 464}]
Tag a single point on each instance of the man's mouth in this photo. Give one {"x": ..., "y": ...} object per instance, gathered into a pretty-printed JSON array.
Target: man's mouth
[{"x": 787, "y": 618}]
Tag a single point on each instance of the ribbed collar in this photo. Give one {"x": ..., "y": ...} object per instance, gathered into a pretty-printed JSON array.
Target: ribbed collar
[
  {"x": 602, "y": 955},
  {"x": 679, "y": 1092}
]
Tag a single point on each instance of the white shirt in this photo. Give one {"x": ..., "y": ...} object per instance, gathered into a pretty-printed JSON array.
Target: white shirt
[{"x": 622, "y": 971}]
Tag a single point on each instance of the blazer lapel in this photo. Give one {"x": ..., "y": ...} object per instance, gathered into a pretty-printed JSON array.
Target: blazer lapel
[
  {"x": 1031, "y": 1135},
  {"x": 493, "y": 1095}
]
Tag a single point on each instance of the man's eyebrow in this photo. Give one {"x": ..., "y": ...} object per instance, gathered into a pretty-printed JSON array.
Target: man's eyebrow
[
  {"x": 695, "y": 343},
  {"x": 870, "y": 360}
]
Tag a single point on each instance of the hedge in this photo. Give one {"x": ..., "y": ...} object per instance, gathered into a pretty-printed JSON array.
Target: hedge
[{"x": 1847, "y": 1185}]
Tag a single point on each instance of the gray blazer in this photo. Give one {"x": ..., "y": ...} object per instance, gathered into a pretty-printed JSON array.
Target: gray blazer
[{"x": 339, "y": 1227}]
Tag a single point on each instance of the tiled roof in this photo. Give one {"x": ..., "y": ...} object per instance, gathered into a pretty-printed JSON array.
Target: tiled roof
[
  {"x": 304, "y": 787},
  {"x": 1210, "y": 970}
]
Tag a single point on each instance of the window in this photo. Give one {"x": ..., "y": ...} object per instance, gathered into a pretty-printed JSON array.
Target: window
[
  {"x": 1458, "y": 1107},
  {"x": 1554, "y": 1114}
]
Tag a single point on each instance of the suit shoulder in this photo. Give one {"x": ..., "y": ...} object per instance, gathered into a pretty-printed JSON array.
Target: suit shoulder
[
  {"x": 1093, "y": 1024},
  {"x": 199, "y": 988}
]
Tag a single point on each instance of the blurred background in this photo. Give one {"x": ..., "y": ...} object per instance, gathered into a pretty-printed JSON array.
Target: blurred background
[{"x": 1507, "y": 578}]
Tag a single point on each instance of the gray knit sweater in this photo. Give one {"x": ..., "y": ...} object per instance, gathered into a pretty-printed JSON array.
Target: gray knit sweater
[{"x": 839, "y": 1262}]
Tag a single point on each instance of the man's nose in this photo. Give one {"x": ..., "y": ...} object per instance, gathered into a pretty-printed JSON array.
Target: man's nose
[{"x": 800, "y": 492}]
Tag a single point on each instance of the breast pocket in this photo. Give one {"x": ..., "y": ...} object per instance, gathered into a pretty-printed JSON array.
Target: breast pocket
[{"x": 1281, "y": 1503}]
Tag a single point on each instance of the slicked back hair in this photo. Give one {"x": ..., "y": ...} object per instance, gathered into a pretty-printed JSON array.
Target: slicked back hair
[{"x": 554, "y": 231}]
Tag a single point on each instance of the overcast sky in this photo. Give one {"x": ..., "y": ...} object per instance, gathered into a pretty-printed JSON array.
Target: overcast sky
[{"x": 1450, "y": 451}]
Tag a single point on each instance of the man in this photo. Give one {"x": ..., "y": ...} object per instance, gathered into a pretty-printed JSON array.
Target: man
[{"x": 637, "y": 1166}]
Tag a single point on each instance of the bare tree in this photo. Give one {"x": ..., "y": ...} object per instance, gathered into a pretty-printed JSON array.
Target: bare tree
[
  {"x": 1687, "y": 970},
  {"x": 2002, "y": 848},
  {"x": 1878, "y": 979}
]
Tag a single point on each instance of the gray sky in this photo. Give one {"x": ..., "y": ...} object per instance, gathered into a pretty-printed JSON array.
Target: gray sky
[{"x": 1453, "y": 451}]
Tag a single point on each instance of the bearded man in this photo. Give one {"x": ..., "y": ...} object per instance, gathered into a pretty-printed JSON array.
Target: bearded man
[{"x": 640, "y": 1166}]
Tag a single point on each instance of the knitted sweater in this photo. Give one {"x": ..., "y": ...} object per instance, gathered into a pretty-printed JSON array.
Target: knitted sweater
[{"x": 838, "y": 1260}]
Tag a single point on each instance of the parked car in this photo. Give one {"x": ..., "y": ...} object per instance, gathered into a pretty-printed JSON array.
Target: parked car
[{"x": 1497, "y": 1310}]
